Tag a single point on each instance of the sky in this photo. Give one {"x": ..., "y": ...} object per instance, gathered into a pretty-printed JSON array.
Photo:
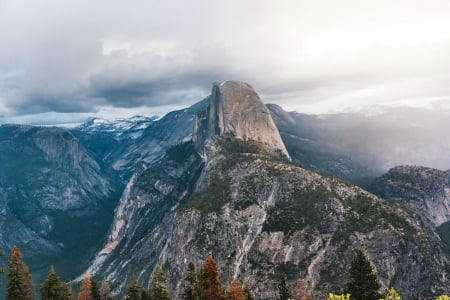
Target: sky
[{"x": 62, "y": 61}]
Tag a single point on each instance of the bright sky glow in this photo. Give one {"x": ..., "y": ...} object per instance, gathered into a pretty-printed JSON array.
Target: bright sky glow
[{"x": 65, "y": 60}]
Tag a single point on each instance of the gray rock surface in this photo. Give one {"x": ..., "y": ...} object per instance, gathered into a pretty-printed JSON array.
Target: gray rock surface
[{"x": 261, "y": 216}]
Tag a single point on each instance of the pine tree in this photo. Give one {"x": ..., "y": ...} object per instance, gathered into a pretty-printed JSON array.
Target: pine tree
[
  {"x": 236, "y": 291},
  {"x": 283, "y": 293},
  {"x": 133, "y": 289},
  {"x": 105, "y": 291},
  {"x": 14, "y": 287},
  {"x": 190, "y": 290},
  {"x": 209, "y": 280},
  {"x": 159, "y": 285},
  {"x": 27, "y": 285},
  {"x": 52, "y": 288},
  {"x": 362, "y": 281},
  {"x": 95, "y": 292},
  {"x": 85, "y": 289}
]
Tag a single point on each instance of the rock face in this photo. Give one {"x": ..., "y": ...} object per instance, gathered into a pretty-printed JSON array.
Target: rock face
[
  {"x": 53, "y": 195},
  {"x": 261, "y": 216},
  {"x": 235, "y": 110},
  {"x": 425, "y": 190}
]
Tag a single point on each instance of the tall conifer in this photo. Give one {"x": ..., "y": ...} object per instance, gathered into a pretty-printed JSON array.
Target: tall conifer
[
  {"x": 362, "y": 281},
  {"x": 14, "y": 287},
  {"x": 209, "y": 281}
]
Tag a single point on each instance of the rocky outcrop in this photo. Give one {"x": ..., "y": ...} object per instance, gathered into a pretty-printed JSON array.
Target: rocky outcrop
[
  {"x": 261, "y": 216},
  {"x": 425, "y": 190},
  {"x": 235, "y": 110}
]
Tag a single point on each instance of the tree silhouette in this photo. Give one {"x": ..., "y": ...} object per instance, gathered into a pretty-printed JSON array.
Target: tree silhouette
[
  {"x": 159, "y": 285},
  {"x": 362, "y": 281},
  {"x": 14, "y": 287}
]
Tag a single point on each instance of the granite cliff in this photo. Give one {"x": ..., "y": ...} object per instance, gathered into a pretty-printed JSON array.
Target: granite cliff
[{"x": 232, "y": 192}]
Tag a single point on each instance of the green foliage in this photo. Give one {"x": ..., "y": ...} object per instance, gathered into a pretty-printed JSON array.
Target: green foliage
[
  {"x": 213, "y": 197},
  {"x": 283, "y": 293},
  {"x": 180, "y": 152},
  {"x": 391, "y": 295},
  {"x": 303, "y": 208},
  {"x": 133, "y": 289},
  {"x": 14, "y": 287},
  {"x": 362, "y": 281},
  {"x": 53, "y": 289},
  {"x": 159, "y": 285},
  {"x": 332, "y": 296},
  {"x": 191, "y": 284}
]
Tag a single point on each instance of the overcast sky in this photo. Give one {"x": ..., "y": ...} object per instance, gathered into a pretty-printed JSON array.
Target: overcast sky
[{"x": 61, "y": 61}]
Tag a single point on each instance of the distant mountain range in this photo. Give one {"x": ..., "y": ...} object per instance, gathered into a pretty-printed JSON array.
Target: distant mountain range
[{"x": 266, "y": 191}]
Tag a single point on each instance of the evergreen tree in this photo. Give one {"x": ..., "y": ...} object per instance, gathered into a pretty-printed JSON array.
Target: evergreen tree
[
  {"x": 85, "y": 289},
  {"x": 145, "y": 295},
  {"x": 159, "y": 285},
  {"x": 133, "y": 289},
  {"x": 362, "y": 281},
  {"x": 283, "y": 293},
  {"x": 209, "y": 281},
  {"x": 190, "y": 290},
  {"x": 14, "y": 287},
  {"x": 236, "y": 291},
  {"x": 95, "y": 292},
  {"x": 105, "y": 291},
  {"x": 27, "y": 285},
  {"x": 53, "y": 289}
]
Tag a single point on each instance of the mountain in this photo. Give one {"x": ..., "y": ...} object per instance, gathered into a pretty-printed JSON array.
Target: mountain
[
  {"x": 121, "y": 149},
  {"x": 56, "y": 200},
  {"x": 122, "y": 128},
  {"x": 360, "y": 148},
  {"x": 425, "y": 191},
  {"x": 232, "y": 191}
]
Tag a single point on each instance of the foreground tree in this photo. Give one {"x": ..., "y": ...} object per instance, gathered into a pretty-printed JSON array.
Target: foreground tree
[
  {"x": 209, "y": 280},
  {"x": 85, "y": 289},
  {"x": 362, "y": 281},
  {"x": 133, "y": 289},
  {"x": 391, "y": 295},
  {"x": 27, "y": 285},
  {"x": 191, "y": 283},
  {"x": 332, "y": 296},
  {"x": 159, "y": 285},
  {"x": 14, "y": 287},
  {"x": 53, "y": 289},
  {"x": 236, "y": 291},
  {"x": 283, "y": 293}
]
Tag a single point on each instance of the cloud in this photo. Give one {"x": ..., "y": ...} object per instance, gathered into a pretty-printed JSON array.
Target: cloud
[{"x": 82, "y": 56}]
